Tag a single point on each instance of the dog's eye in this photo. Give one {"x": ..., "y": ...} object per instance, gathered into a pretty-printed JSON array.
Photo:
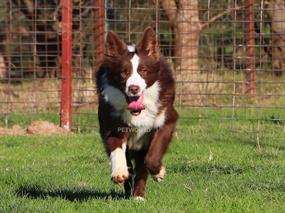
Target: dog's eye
[
  {"x": 124, "y": 73},
  {"x": 142, "y": 70}
]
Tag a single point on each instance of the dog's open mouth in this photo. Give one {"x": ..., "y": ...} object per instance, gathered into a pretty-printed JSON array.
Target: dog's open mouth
[{"x": 135, "y": 105}]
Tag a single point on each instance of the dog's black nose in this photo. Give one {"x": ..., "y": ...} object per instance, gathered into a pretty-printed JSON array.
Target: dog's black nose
[{"x": 134, "y": 89}]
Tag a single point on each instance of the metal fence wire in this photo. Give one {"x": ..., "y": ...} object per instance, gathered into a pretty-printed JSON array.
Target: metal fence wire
[{"x": 228, "y": 57}]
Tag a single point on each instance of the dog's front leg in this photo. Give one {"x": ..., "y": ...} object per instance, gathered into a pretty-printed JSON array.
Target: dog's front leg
[
  {"x": 116, "y": 147},
  {"x": 157, "y": 149}
]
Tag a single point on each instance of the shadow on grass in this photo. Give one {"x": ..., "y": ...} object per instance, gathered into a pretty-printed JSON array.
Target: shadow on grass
[{"x": 36, "y": 192}]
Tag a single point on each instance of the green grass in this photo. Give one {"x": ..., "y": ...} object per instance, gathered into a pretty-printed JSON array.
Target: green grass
[{"x": 212, "y": 166}]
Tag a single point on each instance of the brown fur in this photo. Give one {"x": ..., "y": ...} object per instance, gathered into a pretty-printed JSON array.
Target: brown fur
[{"x": 117, "y": 67}]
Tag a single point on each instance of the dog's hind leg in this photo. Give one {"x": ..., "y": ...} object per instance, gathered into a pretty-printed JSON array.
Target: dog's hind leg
[
  {"x": 129, "y": 183},
  {"x": 141, "y": 174}
]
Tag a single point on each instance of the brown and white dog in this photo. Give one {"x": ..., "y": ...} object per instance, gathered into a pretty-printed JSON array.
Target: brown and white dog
[{"x": 137, "y": 119}]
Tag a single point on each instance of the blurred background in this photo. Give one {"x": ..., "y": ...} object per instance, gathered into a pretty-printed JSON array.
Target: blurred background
[{"x": 228, "y": 57}]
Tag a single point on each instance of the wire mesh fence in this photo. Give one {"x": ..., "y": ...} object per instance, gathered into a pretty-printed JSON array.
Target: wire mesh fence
[{"x": 228, "y": 57}]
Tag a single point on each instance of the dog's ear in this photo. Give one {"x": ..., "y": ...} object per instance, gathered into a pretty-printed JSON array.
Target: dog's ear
[
  {"x": 149, "y": 45},
  {"x": 114, "y": 46}
]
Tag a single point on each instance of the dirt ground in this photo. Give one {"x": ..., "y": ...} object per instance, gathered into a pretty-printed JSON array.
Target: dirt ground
[{"x": 35, "y": 128}]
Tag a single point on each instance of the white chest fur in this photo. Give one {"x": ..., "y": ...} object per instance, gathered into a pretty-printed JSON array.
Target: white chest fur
[
  {"x": 139, "y": 138},
  {"x": 143, "y": 123}
]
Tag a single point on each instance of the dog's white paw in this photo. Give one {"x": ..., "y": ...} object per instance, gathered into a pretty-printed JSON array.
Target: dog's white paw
[
  {"x": 139, "y": 198},
  {"x": 120, "y": 174},
  {"x": 119, "y": 165},
  {"x": 160, "y": 176}
]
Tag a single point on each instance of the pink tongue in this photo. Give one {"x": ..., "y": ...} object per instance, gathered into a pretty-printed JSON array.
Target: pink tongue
[{"x": 136, "y": 105}]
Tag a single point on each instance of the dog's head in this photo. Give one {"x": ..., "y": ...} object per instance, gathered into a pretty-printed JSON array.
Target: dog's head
[{"x": 133, "y": 69}]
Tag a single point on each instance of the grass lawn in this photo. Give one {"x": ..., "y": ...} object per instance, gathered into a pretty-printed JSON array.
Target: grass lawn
[{"x": 212, "y": 166}]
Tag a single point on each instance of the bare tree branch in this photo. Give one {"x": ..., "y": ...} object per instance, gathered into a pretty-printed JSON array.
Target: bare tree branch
[
  {"x": 220, "y": 15},
  {"x": 27, "y": 9}
]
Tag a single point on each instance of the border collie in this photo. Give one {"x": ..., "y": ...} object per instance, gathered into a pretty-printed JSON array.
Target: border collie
[{"x": 136, "y": 115}]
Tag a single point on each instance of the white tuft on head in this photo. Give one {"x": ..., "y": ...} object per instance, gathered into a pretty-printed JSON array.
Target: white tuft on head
[{"x": 131, "y": 48}]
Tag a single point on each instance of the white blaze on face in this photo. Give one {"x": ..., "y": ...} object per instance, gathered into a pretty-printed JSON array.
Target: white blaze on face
[{"x": 135, "y": 78}]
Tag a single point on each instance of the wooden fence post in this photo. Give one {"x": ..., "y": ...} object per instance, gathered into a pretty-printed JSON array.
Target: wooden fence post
[{"x": 66, "y": 81}]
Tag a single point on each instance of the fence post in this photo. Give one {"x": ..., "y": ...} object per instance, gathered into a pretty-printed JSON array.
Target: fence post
[
  {"x": 99, "y": 29},
  {"x": 66, "y": 81},
  {"x": 251, "y": 44}
]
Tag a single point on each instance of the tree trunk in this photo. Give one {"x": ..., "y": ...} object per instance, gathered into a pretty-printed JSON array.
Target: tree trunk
[
  {"x": 3, "y": 68},
  {"x": 276, "y": 10},
  {"x": 184, "y": 18},
  {"x": 187, "y": 35}
]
